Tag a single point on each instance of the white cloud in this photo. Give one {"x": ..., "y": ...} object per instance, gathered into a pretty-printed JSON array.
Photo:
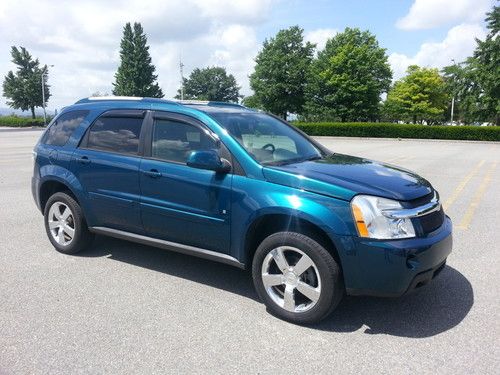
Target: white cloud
[
  {"x": 458, "y": 44},
  {"x": 81, "y": 39},
  {"x": 320, "y": 37},
  {"x": 242, "y": 11},
  {"x": 427, "y": 14}
]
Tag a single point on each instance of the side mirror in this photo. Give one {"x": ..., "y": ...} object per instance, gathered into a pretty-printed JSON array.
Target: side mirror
[{"x": 208, "y": 159}]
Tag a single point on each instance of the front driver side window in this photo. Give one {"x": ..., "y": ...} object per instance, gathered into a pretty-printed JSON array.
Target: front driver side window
[{"x": 174, "y": 140}]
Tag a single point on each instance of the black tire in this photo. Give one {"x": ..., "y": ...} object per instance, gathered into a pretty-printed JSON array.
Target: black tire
[
  {"x": 82, "y": 236},
  {"x": 331, "y": 283}
]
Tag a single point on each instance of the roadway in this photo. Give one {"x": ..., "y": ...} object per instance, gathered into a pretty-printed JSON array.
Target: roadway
[{"x": 126, "y": 308}]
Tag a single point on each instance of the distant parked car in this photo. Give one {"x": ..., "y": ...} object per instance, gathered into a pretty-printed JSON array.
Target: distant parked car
[{"x": 227, "y": 183}]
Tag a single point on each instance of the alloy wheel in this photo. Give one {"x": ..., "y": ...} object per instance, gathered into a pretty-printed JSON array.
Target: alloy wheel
[
  {"x": 61, "y": 223},
  {"x": 291, "y": 279}
]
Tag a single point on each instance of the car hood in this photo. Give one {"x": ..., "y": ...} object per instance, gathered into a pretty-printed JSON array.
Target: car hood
[{"x": 344, "y": 176}]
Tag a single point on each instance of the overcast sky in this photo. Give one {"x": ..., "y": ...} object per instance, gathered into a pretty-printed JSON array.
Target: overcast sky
[{"x": 81, "y": 38}]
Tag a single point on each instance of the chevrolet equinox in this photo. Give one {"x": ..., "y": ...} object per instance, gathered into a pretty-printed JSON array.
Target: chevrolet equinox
[{"x": 238, "y": 186}]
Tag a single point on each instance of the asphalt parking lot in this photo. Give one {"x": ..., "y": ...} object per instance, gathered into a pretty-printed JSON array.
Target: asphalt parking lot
[{"x": 127, "y": 308}]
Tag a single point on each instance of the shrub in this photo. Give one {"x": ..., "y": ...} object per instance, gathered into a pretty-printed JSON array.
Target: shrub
[
  {"x": 391, "y": 130},
  {"x": 20, "y": 122}
]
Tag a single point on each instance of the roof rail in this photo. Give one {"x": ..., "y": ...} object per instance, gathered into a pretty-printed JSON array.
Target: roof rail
[
  {"x": 209, "y": 103},
  {"x": 123, "y": 98}
]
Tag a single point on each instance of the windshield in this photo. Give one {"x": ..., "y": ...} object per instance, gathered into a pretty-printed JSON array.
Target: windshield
[{"x": 267, "y": 140}]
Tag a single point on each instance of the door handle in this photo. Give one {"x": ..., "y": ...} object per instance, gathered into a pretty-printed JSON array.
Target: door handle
[
  {"x": 153, "y": 173},
  {"x": 83, "y": 160}
]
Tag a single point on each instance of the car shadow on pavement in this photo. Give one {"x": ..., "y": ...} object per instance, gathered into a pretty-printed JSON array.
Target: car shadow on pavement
[
  {"x": 217, "y": 275},
  {"x": 429, "y": 311},
  {"x": 426, "y": 312}
]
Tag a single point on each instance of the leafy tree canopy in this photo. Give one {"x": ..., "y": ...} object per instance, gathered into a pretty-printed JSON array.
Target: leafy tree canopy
[
  {"x": 212, "y": 83},
  {"x": 23, "y": 89},
  {"x": 281, "y": 72},
  {"x": 419, "y": 96},
  {"x": 135, "y": 75},
  {"x": 476, "y": 82},
  {"x": 251, "y": 102},
  {"x": 348, "y": 78}
]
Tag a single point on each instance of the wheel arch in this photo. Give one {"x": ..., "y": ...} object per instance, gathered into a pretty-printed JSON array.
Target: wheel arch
[
  {"x": 54, "y": 178},
  {"x": 50, "y": 186},
  {"x": 267, "y": 224}
]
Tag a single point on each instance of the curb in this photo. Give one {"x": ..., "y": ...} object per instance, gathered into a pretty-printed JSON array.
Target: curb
[
  {"x": 319, "y": 137},
  {"x": 20, "y": 129}
]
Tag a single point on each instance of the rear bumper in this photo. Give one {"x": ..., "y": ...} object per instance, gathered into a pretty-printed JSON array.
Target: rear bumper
[
  {"x": 35, "y": 189},
  {"x": 394, "y": 268}
]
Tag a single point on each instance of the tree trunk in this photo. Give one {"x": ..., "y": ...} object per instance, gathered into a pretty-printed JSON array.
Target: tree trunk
[{"x": 32, "y": 112}]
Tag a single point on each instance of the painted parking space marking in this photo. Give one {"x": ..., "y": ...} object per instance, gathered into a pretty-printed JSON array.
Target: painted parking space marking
[
  {"x": 461, "y": 185},
  {"x": 399, "y": 159},
  {"x": 469, "y": 214}
]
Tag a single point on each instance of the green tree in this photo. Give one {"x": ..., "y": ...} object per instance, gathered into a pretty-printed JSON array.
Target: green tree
[
  {"x": 251, "y": 102},
  {"x": 212, "y": 83},
  {"x": 348, "y": 78},
  {"x": 23, "y": 89},
  {"x": 135, "y": 75},
  {"x": 419, "y": 96},
  {"x": 487, "y": 65},
  {"x": 280, "y": 72},
  {"x": 460, "y": 85},
  {"x": 98, "y": 93},
  {"x": 476, "y": 82}
]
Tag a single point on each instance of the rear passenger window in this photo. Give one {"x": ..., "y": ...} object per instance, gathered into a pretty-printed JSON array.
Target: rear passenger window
[
  {"x": 174, "y": 140},
  {"x": 61, "y": 129},
  {"x": 115, "y": 134}
]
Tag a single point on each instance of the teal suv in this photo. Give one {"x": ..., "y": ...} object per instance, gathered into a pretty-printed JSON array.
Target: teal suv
[{"x": 238, "y": 186}]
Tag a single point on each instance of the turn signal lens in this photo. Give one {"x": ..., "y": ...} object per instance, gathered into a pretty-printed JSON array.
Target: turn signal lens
[{"x": 360, "y": 223}]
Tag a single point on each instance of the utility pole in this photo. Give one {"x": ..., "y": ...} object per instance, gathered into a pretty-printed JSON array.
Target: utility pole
[
  {"x": 44, "y": 74},
  {"x": 181, "y": 68}
]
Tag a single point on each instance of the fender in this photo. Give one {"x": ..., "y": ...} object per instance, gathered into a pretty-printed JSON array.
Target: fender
[
  {"x": 51, "y": 172},
  {"x": 331, "y": 215}
]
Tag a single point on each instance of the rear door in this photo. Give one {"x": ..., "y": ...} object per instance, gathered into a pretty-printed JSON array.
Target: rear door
[
  {"x": 180, "y": 203},
  {"x": 107, "y": 165}
]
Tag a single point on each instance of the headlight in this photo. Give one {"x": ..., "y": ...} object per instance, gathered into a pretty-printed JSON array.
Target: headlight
[{"x": 372, "y": 219}]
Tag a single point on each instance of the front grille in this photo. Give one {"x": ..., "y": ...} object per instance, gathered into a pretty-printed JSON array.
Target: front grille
[
  {"x": 419, "y": 201},
  {"x": 432, "y": 221}
]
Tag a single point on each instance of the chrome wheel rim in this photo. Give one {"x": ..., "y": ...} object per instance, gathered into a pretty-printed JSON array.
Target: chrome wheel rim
[
  {"x": 61, "y": 223},
  {"x": 291, "y": 279}
]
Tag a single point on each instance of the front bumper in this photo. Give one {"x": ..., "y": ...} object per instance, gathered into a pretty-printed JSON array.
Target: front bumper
[{"x": 393, "y": 268}]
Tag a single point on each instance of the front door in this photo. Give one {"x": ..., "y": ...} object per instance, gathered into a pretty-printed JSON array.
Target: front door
[{"x": 179, "y": 203}]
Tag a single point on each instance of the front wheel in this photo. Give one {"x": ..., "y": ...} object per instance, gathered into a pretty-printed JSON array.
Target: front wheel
[{"x": 296, "y": 277}]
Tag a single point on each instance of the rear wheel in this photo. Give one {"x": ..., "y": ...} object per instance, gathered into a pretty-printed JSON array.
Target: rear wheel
[
  {"x": 296, "y": 277},
  {"x": 65, "y": 224}
]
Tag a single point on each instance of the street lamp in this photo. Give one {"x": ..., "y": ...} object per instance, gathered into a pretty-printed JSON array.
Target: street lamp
[
  {"x": 452, "y": 98},
  {"x": 44, "y": 72}
]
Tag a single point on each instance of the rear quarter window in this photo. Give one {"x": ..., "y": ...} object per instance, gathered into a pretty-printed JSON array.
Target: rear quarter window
[{"x": 61, "y": 129}]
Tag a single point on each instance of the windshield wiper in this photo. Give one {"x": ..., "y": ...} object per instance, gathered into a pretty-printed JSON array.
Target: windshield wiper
[
  {"x": 315, "y": 157},
  {"x": 294, "y": 160}
]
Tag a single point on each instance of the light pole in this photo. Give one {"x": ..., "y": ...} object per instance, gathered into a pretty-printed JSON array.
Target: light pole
[
  {"x": 181, "y": 68},
  {"x": 453, "y": 97},
  {"x": 44, "y": 72}
]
